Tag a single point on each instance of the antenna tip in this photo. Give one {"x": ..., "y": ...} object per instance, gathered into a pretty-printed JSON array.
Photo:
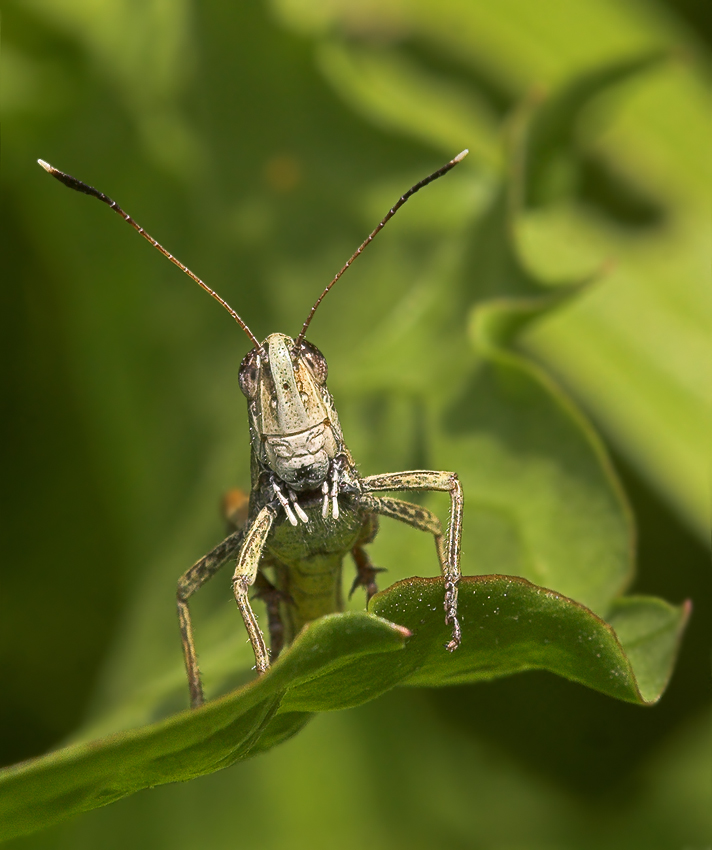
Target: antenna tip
[
  {"x": 461, "y": 155},
  {"x": 47, "y": 167}
]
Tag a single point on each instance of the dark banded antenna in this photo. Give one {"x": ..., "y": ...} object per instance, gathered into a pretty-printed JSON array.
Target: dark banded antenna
[
  {"x": 78, "y": 186},
  {"x": 382, "y": 224}
]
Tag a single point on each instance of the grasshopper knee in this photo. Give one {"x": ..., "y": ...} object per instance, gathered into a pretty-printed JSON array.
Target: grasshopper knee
[{"x": 240, "y": 586}]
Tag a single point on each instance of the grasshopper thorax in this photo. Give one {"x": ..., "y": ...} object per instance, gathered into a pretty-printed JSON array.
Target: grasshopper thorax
[{"x": 294, "y": 426}]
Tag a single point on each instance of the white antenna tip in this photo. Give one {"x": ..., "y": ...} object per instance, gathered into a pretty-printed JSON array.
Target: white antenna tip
[
  {"x": 47, "y": 167},
  {"x": 461, "y": 156}
]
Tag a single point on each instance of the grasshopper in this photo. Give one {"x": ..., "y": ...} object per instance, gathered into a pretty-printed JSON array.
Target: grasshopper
[{"x": 308, "y": 506}]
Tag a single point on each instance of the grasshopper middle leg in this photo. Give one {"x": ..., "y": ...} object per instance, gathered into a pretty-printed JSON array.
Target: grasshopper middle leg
[
  {"x": 365, "y": 571},
  {"x": 188, "y": 583},
  {"x": 425, "y": 520}
]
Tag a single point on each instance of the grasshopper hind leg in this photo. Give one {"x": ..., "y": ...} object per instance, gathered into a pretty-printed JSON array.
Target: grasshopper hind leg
[{"x": 188, "y": 584}]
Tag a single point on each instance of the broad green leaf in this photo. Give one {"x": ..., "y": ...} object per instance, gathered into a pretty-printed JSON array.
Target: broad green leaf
[
  {"x": 509, "y": 625},
  {"x": 190, "y": 744},
  {"x": 557, "y": 138}
]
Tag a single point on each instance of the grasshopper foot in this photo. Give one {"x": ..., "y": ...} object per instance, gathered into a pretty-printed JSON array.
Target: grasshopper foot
[
  {"x": 450, "y": 606},
  {"x": 454, "y": 642},
  {"x": 365, "y": 573}
]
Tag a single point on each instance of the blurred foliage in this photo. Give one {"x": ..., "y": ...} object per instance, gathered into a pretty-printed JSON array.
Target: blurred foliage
[{"x": 260, "y": 144}]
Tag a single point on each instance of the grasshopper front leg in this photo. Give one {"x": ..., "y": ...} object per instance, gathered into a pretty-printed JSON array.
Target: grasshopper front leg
[
  {"x": 248, "y": 563},
  {"x": 450, "y": 559},
  {"x": 250, "y": 542},
  {"x": 236, "y": 512}
]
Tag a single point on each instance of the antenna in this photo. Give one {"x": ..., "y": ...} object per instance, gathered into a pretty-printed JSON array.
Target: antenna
[
  {"x": 381, "y": 225},
  {"x": 78, "y": 186}
]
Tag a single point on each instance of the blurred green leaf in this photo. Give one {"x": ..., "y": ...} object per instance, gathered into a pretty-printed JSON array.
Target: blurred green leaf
[
  {"x": 147, "y": 70},
  {"x": 397, "y": 93},
  {"x": 637, "y": 351},
  {"x": 556, "y": 137}
]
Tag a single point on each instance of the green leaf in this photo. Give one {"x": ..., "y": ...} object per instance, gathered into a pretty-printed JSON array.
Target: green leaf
[
  {"x": 342, "y": 660},
  {"x": 542, "y": 500},
  {"x": 193, "y": 743},
  {"x": 648, "y": 628},
  {"x": 510, "y": 625}
]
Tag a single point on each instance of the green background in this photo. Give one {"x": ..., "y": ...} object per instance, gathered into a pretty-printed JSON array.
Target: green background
[{"x": 259, "y": 143}]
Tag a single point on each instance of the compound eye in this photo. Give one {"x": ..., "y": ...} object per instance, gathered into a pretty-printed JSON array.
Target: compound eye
[
  {"x": 249, "y": 373},
  {"x": 315, "y": 360}
]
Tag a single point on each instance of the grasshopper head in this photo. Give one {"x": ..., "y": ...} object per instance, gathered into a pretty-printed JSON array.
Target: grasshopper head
[
  {"x": 294, "y": 427},
  {"x": 295, "y": 430}
]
